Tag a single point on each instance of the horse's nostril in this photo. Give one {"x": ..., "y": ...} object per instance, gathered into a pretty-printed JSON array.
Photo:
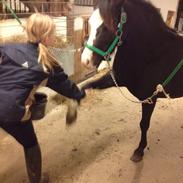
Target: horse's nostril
[
  {"x": 86, "y": 57},
  {"x": 87, "y": 62}
]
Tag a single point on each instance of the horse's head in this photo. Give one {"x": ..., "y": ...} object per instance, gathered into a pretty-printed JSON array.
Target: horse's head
[
  {"x": 104, "y": 26},
  {"x": 144, "y": 25},
  {"x": 101, "y": 37}
]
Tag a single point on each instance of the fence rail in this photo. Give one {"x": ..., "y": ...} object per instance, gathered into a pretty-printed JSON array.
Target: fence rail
[
  {"x": 17, "y": 6},
  {"x": 85, "y": 2},
  {"x": 71, "y": 29},
  {"x": 55, "y": 8},
  {"x": 24, "y": 8}
]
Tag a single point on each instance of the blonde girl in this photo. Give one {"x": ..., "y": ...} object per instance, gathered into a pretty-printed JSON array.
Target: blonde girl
[{"x": 23, "y": 68}]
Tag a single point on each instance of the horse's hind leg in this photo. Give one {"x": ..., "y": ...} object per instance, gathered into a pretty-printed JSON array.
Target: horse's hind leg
[{"x": 147, "y": 110}]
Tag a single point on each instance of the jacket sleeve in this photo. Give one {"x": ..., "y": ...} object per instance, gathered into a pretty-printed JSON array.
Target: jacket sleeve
[{"x": 59, "y": 82}]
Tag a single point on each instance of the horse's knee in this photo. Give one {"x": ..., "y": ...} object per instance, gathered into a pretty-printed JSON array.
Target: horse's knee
[{"x": 144, "y": 125}]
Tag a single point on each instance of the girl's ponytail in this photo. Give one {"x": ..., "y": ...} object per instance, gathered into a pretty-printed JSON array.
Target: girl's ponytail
[{"x": 46, "y": 59}]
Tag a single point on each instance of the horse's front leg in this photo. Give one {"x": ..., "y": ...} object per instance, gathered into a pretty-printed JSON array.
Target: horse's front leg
[
  {"x": 147, "y": 110},
  {"x": 100, "y": 83}
]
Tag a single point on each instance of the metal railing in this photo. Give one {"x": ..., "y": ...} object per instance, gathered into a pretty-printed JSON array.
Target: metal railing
[
  {"x": 85, "y": 2},
  {"x": 24, "y": 8},
  {"x": 71, "y": 29}
]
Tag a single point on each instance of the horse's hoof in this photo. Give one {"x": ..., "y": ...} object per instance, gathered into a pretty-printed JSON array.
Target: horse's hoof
[
  {"x": 45, "y": 178},
  {"x": 136, "y": 157}
]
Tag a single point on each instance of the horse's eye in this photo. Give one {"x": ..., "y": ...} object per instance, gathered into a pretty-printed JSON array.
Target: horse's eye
[
  {"x": 102, "y": 28},
  {"x": 98, "y": 31}
]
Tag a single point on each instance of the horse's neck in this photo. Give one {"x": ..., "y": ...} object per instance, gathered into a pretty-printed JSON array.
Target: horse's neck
[{"x": 135, "y": 55}]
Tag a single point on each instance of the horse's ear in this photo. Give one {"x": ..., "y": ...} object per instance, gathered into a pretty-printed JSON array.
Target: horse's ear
[{"x": 110, "y": 11}]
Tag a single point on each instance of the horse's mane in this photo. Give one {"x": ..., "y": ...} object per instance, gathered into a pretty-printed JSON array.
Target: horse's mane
[{"x": 139, "y": 12}]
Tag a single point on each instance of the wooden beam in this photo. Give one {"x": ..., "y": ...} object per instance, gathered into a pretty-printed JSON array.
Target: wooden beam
[
  {"x": 179, "y": 10},
  {"x": 1, "y": 7}
]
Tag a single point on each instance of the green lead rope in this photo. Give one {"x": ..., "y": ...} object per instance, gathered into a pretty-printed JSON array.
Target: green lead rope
[
  {"x": 12, "y": 12},
  {"x": 169, "y": 78}
]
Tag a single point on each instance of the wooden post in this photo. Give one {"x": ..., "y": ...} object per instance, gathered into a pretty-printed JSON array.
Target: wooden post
[
  {"x": 179, "y": 10},
  {"x": 169, "y": 19},
  {"x": 1, "y": 7},
  {"x": 95, "y": 3},
  {"x": 76, "y": 32},
  {"x": 70, "y": 28},
  {"x": 77, "y": 40}
]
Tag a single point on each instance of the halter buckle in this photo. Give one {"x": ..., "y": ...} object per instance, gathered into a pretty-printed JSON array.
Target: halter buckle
[
  {"x": 148, "y": 101},
  {"x": 107, "y": 57},
  {"x": 120, "y": 43}
]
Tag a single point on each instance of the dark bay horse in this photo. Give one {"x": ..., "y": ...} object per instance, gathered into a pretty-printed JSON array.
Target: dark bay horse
[{"x": 149, "y": 52}]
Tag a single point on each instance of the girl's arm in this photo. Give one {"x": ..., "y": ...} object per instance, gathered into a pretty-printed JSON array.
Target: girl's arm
[{"x": 59, "y": 82}]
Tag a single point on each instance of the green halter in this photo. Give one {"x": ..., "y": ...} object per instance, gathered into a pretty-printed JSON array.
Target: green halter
[
  {"x": 12, "y": 12},
  {"x": 116, "y": 41}
]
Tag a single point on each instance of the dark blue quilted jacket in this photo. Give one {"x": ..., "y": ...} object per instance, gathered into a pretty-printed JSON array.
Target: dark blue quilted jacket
[{"x": 21, "y": 74}]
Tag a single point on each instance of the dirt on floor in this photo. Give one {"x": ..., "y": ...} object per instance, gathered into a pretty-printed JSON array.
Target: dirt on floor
[{"x": 97, "y": 148}]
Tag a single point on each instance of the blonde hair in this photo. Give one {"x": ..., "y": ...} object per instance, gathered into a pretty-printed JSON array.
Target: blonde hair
[{"x": 39, "y": 28}]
